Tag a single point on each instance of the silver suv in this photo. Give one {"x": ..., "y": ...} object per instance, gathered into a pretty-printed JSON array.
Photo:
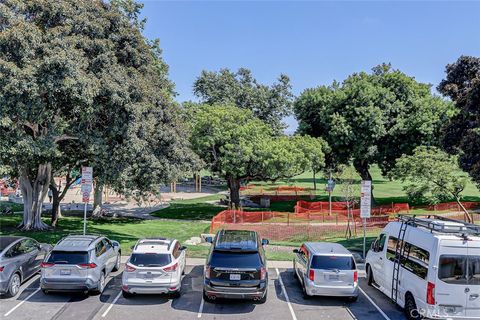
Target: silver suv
[
  {"x": 80, "y": 263},
  {"x": 155, "y": 266}
]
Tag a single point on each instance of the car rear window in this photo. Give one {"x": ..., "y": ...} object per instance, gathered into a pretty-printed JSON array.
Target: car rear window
[
  {"x": 459, "y": 269},
  {"x": 225, "y": 259},
  {"x": 333, "y": 262},
  {"x": 150, "y": 259},
  {"x": 68, "y": 257}
]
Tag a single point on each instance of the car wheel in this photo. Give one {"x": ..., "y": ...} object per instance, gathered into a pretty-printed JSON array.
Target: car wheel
[
  {"x": 117, "y": 263},
  {"x": 370, "y": 280},
  {"x": 176, "y": 294},
  {"x": 306, "y": 296},
  {"x": 14, "y": 285},
  {"x": 207, "y": 298},
  {"x": 101, "y": 283},
  {"x": 295, "y": 275},
  {"x": 352, "y": 299},
  {"x": 45, "y": 291},
  {"x": 411, "y": 311},
  {"x": 264, "y": 299},
  {"x": 126, "y": 294}
]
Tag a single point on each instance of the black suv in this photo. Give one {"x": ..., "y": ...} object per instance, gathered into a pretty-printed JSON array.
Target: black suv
[{"x": 236, "y": 267}]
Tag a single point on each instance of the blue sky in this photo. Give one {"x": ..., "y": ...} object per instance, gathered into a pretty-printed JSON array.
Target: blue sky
[{"x": 313, "y": 42}]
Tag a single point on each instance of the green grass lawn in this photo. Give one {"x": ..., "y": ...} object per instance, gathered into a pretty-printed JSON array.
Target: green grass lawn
[{"x": 14, "y": 206}]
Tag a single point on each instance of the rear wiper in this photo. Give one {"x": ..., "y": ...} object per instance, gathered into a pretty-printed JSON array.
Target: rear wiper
[{"x": 61, "y": 262}]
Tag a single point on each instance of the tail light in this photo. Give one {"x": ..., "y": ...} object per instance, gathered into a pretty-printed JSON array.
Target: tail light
[
  {"x": 1, "y": 269},
  {"x": 311, "y": 275},
  {"x": 171, "y": 268},
  {"x": 207, "y": 272},
  {"x": 355, "y": 277},
  {"x": 263, "y": 273},
  {"x": 46, "y": 265},
  {"x": 87, "y": 265},
  {"x": 430, "y": 293},
  {"x": 129, "y": 268}
]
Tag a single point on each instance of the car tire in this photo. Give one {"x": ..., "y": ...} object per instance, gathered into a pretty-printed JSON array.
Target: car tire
[
  {"x": 352, "y": 299},
  {"x": 263, "y": 299},
  {"x": 370, "y": 279},
  {"x": 101, "y": 283},
  {"x": 117, "y": 263},
  {"x": 207, "y": 298},
  {"x": 45, "y": 292},
  {"x": 295, "y": 275},
  {"x": 126, "y": 294},
  {"x": 306, "y": 296},
  {"x": 411, "y": 311},
  {"x": 175, "y": 294},
  {"x": 14, "y": 285}
]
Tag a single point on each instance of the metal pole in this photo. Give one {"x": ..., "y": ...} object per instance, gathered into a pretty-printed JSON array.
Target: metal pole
[
  {"x": 330, "y": 196},
  {"x": 364, "y": 236},
  {"x": 85, "y": 219}
]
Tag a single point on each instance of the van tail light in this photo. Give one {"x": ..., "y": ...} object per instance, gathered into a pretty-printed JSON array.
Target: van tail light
[
  {"x": 46, "y": 265},
  {"x": 129, "y": 268},
  {"x": 87, "y": 265},
  {"x": 207, "y": 272},
  {"x": 1, "y": 269},
  {"x": 172, "y": 268},
  {"x": 311, "y": 275},
  {"x": 263, "y": 273},
  {"x": 430, "y": 293},
  {"x": 355, "y": 277}
]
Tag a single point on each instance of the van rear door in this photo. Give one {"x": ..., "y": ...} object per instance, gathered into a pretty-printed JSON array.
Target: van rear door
[
  {"x": 450, "y": 288},
  {"x": 473, "y": 288},
  {"x": 333, "y": 270}
]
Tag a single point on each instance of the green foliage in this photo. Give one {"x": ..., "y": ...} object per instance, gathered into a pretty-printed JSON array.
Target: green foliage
[
  {"x": 269, "y": 103},
  {"x": 372, "y": 118},
  {"x": 430, "y": 174},
  {"x": 462, "y": 133}
]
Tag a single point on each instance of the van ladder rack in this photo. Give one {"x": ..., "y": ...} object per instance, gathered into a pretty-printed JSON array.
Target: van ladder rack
[{"x": 428, "y": 222}]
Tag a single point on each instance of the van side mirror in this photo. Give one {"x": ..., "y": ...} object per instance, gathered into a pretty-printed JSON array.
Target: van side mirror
[
  {"x": 209, "y": 239},
  {"x": 182, "y": 248},
  {"x": 295, "y": 251},
  {"x": 265, "y": 242}
]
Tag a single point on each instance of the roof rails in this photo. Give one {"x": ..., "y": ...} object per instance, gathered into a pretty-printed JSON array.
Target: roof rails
[
  {"x": 434, "y": 224},
  {"x": 170, "y": 241},
  {"x": 96, "y": 236}
]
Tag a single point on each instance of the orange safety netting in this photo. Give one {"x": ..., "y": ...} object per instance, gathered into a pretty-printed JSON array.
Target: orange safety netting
[
  {"x": 321, "y": 207},
  {"x": 453, "y": 206}
]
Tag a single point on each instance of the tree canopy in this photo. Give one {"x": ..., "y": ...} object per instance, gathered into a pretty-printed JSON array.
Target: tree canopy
[
  {"x": 79, "y": 85},
  {"x": 372, "y": 118},
  {"x": 461, "y": 134},
  {"x": 269, "y": 103}
]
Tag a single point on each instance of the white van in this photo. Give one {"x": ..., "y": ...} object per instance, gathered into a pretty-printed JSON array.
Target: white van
[{"x": 433, "y": 271}]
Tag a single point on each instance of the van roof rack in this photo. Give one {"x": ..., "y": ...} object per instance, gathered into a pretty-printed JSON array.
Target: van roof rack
[{"x": 440, "y": 224}]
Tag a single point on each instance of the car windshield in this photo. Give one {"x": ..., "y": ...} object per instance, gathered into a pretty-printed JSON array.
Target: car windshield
[
  {"x": 459, "y": 269},
  {"x": 333, "y": 262},
  {"x": 226, "y": 259},
  {"x": 150, "y": 259},
  {"x": 67, "y": 257}
]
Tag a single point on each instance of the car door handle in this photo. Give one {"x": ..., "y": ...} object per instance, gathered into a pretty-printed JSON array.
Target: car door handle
[
  {"x": 474, "y": 296},
  {"x": 381, "y": 258}
]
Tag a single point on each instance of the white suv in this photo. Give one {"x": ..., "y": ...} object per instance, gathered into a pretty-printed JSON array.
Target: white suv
[
  {"x": 429, "y": 266},
  {"x": 155, "y": 266}
]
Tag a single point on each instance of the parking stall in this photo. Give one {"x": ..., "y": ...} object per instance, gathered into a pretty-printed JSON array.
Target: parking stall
[{"x": 284, "y": 301}]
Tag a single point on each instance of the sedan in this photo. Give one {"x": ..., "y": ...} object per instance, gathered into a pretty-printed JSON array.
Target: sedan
[{"x": 20, "y": 259}]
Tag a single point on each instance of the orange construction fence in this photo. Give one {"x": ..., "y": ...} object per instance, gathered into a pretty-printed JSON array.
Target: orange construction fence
[{"x": 322, "y": 207}]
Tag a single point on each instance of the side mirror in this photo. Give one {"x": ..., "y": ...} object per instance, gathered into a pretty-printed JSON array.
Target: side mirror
[
  {"x": 374, "y": 246},
  {"x": 182, "y": 248},
  {"x": 295, "y": 251},
  {"x": 209, "y": 239},
  {"x": 265, "y": 242}
]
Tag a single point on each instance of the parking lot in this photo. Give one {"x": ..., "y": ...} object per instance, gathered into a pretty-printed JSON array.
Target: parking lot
[{"x": 284, "y": 301}]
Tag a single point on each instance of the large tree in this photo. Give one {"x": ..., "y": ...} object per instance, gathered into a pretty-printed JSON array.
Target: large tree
[
  {"x": 462, "y": 133},
  {"x": 372, "y": 118},
  {"x": 238, "y": 146},
  {"x": 79, "y": 84},
  {"x": 269, "y": 103}
]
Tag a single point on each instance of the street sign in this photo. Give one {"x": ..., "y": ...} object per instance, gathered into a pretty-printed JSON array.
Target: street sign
[
  {"x": 86, "y": 183},
  {"x": 86, "y": 196},
  {"x": 365, "y": 199},
  {"x": 330, "y": 185}
]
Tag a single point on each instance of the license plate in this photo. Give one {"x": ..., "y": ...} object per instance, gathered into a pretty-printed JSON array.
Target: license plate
[
  {"x": 235, "y": 276},
  {"x": 334, "y": 277},
  {"x": 65, "y": 272},
  {"x": 149, "y": 276}
]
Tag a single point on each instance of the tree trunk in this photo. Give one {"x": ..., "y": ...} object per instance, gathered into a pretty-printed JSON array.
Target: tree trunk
[
  {"x": 234, "y": 186},
  {"x": 362, "y": 167},
  {"x": 468, "y": 216},
  {"x": 33, "y": 197},
  {"x": 56, "y": 212},
  {"x": 314, "y": 181},
  {"x": 97, "y": 196}
]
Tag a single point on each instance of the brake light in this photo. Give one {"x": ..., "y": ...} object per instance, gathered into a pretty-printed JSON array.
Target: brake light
[
  {"x": 87, "y": 265},
  {"x": 311, "y": 275},
  {"x": 430, "y": 293},
  {"x": 207, "y": 272},
  {"x": 355, "y": 277},
  {"x": 171, "y": 268},
  {"x": 129, "y": 268},
  {"x": 263, "y": 273},
  {"x": 46, "y": 265},
  {"x": 1, "y": 269}
]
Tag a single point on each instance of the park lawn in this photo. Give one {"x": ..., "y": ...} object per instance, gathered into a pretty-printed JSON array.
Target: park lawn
[
  {"x": 191, "y": 209},
  {"x": 15, "y": 206}
]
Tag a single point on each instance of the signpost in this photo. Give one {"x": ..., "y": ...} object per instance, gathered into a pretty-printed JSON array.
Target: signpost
[
  {"x": 86, "y": 183},
  {"x": 365, "y": 207},
  {"x": 329, "y": 187}
]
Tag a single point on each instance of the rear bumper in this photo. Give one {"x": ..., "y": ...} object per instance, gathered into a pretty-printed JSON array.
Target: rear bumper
[
  {"x": 149, "y": 288},
  {"x": 332, "y": 291},
  {"x": 67, "y": 285},
  {"x": 256, "y": 292}
]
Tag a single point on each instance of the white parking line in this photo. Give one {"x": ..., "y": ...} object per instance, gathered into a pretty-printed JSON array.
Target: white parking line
[
  {"x": 22, "y": 302},
  {"x": 374, "y": 304},
  {"x": 111, "y": 304},
  {"x": 200, "y": 310},
  {"x": 285, "y": 294}
]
